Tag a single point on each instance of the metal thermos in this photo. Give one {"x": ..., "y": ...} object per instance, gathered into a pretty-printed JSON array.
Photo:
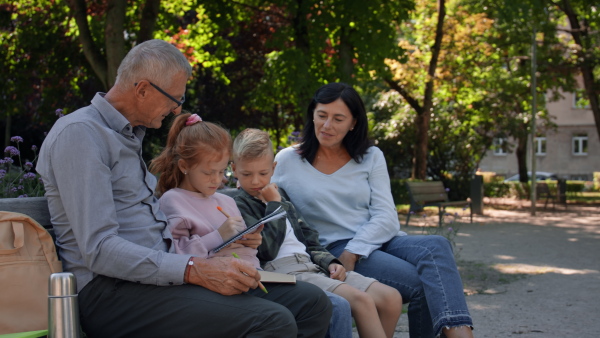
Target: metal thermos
[{"x": 63, "y": 310}]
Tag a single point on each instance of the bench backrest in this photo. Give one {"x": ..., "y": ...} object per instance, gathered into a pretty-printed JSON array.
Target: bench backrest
[
  {"x": 34, "y": 207},
  {"x": 426, "y": 192}
]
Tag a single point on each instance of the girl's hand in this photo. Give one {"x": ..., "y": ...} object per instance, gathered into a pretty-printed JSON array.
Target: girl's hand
[
  {"x": 348, "y": 259},
  {"x": 252, "y": 240},
  {"x": 337, "y": 271},
  {"x": 231, "y": 227}
]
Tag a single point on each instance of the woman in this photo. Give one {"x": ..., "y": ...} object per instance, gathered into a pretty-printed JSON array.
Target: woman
[{"x": 339, "y": 182}]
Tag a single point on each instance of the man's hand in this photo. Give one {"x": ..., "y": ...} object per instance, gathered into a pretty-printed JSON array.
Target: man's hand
[
  {"x": 223, "y": 275},
  {"x": 337, "y": 271},
  {"x": 348, "y": 259},
  {"x": 252, "y": 240}
]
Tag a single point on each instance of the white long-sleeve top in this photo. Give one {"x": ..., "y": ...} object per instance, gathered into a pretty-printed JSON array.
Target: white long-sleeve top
[{"x": 354, "y": 202}]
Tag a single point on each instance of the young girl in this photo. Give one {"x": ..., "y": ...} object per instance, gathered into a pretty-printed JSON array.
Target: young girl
[
  {"x": 292, "y": 246},
  {"x": 191, "y": 168}
]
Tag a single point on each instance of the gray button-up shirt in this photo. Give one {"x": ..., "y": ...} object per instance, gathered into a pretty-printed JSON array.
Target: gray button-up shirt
[{"x": 101, "y": 200}]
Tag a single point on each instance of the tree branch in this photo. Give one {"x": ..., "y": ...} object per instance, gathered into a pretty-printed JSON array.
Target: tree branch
[
  {"x": 92, "y": 54},
  {"x": 411, "y": 100}
]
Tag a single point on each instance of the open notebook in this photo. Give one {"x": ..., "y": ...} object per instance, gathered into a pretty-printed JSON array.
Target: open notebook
[{"x": 277, "y": 214}]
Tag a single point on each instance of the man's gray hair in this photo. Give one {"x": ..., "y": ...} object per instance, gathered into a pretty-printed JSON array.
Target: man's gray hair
[{"x": 153, "y": 60}]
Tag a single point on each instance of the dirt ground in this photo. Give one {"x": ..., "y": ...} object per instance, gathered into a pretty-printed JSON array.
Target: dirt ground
[{"x": 529, "y": 276}]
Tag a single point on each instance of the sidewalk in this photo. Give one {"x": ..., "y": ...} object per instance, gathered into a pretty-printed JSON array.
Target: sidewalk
[{"x": 530, "y": 276}]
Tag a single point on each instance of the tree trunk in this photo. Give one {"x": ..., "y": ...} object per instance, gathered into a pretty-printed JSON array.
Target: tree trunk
[
  {"x": 90, "y": 50},
  {"x": 346, "y": 56},
  {"x": 115, "y": 40},
  {"x": 148, "y": 20},
  {"x": 422, "y": 121},
  {"x": 521, "y": 154},
  {"x": 581, "y": 37}
]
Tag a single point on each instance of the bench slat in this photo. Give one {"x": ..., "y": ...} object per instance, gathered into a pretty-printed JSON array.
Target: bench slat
[
  {"x": 431, "y": 194},
  {"x": 34, "y": 207}
]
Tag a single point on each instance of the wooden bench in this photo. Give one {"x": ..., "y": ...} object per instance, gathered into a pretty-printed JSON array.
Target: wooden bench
[
  {"x": 432, "y": 194},
  {"x": 542, "y": 190},
  {"x": 60, "y": 324}
]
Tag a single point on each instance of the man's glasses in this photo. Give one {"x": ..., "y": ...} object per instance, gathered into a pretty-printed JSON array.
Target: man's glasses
[{"x": 179, "y": 103}]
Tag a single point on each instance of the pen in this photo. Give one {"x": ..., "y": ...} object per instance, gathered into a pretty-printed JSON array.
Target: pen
[
  {"x": 262, "y": 287},
  {"x": 223, "y": 211}
]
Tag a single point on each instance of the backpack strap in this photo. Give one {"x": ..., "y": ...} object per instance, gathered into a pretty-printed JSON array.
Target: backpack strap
[{"x": 19, "y": 234}]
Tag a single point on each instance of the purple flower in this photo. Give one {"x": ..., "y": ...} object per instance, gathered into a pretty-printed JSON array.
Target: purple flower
[
  {"x": 16, "y": 139},
  {"x": 450, "y": 229},
  {"x": 59, "y": 113},
  {"x": 2, "y": 173},
  {"x": 29, "y": 176},
  {"x": 13, "y": 189},
  {"x": 447, "y": 189},
  {"x": 295, "y": 133},
  {"x": 456, "y": 214},
  {"x": 8, "y": 160},
  {"x": 22, "y": 196},
  {"x": 12, "y": 151},
  {"x": 28, "y": 165},
  {"x": 34, "y": 147}
]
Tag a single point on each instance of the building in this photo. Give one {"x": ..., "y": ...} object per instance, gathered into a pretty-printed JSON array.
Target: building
[{"x": 571, "y": 151}]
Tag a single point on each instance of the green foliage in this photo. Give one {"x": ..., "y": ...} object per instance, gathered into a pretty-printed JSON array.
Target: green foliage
[
  {"x": 399, "y": 191},
  {"x": 496, "y": 188}
]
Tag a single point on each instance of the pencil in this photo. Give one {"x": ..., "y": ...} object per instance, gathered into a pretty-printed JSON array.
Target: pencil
[
  {"x": 223, "y": 211},
  {"x": 262, "y": 287}
]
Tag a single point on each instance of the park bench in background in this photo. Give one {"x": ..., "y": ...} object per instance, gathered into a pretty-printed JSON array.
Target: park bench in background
[
  {"x": 63, "y": 314},
  {"x": 432, "y": 194}
]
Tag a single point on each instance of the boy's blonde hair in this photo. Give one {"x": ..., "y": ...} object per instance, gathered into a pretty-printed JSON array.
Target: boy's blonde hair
[{"x": 251, "y": 144}]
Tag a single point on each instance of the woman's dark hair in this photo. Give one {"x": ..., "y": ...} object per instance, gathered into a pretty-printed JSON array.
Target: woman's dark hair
[{"x": 356, "y": 141}]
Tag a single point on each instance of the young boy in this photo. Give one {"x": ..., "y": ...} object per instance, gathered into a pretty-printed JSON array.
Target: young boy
[{"x": 289, "y": 245}]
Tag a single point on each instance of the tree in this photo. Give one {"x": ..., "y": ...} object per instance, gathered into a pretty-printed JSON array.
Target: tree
[
  {"x": 584, "y": 22},
  {"x": 423, "y": 109}
]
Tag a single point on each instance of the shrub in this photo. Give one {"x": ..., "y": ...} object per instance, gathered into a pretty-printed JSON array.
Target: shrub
[{"x": 17, "y": 177}]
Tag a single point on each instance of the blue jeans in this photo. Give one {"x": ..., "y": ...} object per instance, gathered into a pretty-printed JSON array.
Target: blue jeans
[
  {"x": 340, "y": 325},
  {"x": 423, "y": 270}
]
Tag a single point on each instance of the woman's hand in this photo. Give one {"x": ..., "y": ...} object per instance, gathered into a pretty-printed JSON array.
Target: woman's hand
[
  {"x": 252, "y": 240},
  {"x": 337, "y": 271},
  {"x": 348, "y": 259},
  {"x": 231, "y": 227}
]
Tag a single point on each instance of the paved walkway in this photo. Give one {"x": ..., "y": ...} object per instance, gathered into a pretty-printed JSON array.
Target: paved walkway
[{"x": 530, "y": 276}]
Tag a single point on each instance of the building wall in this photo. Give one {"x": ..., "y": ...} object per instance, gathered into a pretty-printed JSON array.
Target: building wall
[{"x": 559, "y": 158}]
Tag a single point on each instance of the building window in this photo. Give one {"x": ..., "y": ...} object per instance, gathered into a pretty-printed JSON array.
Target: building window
[
  {"x": 580, "y": 144},
  {"x": 540, "y": 146},
  {"x": 580, "y": 100},
  {"x": 499, "y": 146}
]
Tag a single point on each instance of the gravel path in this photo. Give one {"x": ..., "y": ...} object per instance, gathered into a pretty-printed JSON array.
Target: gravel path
[{"x": 530, "y": 276}]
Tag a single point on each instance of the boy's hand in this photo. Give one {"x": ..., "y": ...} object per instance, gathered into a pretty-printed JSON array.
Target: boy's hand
[
  {"x": 337, "y": 271},
  {"x": 270, "y": 193},
  {"x": 348, "y": 259},
  {"x": 252, "y": 240},
  {"x": 231, "y": 227}
]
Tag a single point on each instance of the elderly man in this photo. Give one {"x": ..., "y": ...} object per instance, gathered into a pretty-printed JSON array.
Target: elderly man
[{"x": 113, "y": 237}]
